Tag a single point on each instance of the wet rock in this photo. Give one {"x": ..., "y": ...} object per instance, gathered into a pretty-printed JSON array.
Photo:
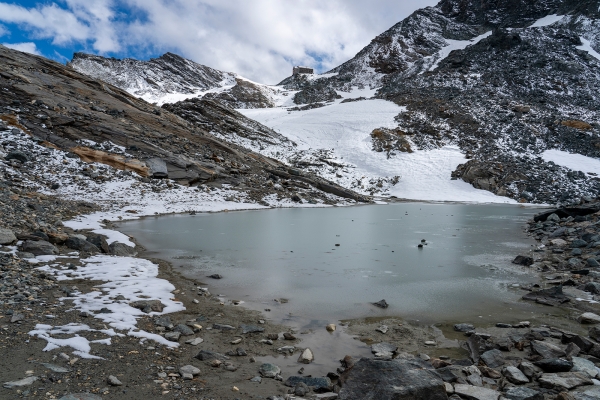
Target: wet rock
[
  {"x": 547, "y": 350},
  {"x": 216, "y": 276},
  {"x": 251, "y": 329},
  {"x": 493, "y": 358},
  {"x": 475, "y": 393},
  {"x": 7, "y": 236},
  {"x": 564, "y": 380},
  {"x": 383, "y": 350},
  {"x": 79, "y": 244},
  {"x": 589, "y": 318},
  {"x": 269, "y": 370},
  {"x": 523, "y": 260},
  {"x": 306, "y": 357},
  {"x": 121, "y": 250},
  {"x": 20, "y": 383},
  {"x": 552, "y": 296},
  {"x": 554, "y": 365},
  {"x": 381, "y": 304},
  {"x": 515, "y": 375},
  {"x": 463, "y": 327},
  {"x": 523, "y": 393},
  {"x": 189, "y": 371},
  {"x": 318, "y": 384},
  {"x": 39, "y": 248},
  {"x": 113, "y": 381}
]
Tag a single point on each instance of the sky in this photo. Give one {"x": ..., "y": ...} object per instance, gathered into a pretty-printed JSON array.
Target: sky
[{"x": 258, "y": 39}]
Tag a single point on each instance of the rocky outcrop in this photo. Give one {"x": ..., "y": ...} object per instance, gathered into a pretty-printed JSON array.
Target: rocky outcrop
[{"x": 244, "y": 94}]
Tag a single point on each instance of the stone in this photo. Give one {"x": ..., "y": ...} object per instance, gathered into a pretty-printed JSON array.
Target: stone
[
  {"x": 589, "y": 318},
  {"x": 194, "y": 341},
  {"x": 593, "y": 263},
  {"x": 463, "y": 327},
  {"x": 582, "y": 343},
  {"x": 7, "y": 236},
  {"x": 216, "y": 276},
  {"x": 330, "y": 327},
  {"x": 475, "y": 393},
  {"x": 553, "y": 218},
  {"x": 81, "y": 396},
  {"x": 184, "y": 330},
  {"x": 39, "y": 248},
  {"x": 207, "y": 355},
  {"x": 383, "y": 329},
  {"x": 523, "y": 260},
  {"x": 113, "y": 381},
  {"x": 306, "y": 357},
  {"x": 163, "y": 321},
  {"x": 572, "y": 350},
  {"x": 477, "y": 345},
  {"x": 383, "y": 350},
  {"x": 583, "y": 365},
  {"x": 547, "y": 350},
  {"x": 515, "y": 375},
  {"x": 564, "y": 380},
  {"x": 381, "y": 304},
  {"x": 318, "y": 384},
  {"x": 493, "y": 358},
  {"x": 56, "y": 368},
  {"x": 594, "y": 333},
  {"x": 148, "y": 306},
  {"x": 121, "y": 250},
  {"x": 395, "y": 379},
  {"x": 577, "y": 243},
  {"x": 189, "y": 370},
  {"x": 550, "y": 296},
  {"x": 554, "y": 364},
  {"x": 529, "y": 369},
  {"x": 251, "y": 329},
  {"x": 558, "y": 242},
  {"x": 99, "y": 241},
  {"x": 522, "y": 393},
  {"x": 17, "y": 318},
  {"x": 173, "y": 336},
  {"x": 269, "y": 370},
  {"x": 20, "y": 383},
  {"x": 18, "y": 155},
  {"x": 157, "y": 168},
  {"x": 223, "y": 327},
  {"x": 79, "y": 244}
]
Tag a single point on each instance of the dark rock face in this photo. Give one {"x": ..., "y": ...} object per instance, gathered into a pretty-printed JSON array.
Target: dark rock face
[
  {"x": 315, "y": 95},
  {"x": 395, "y": 379},
  {"x": 39, "y": 248},
  {"x": 79, "y": 244},
  {"x": 244, "y": 94}
]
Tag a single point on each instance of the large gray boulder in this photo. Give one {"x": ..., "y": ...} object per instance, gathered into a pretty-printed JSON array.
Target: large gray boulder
[
  {"x": 158, "y": 168},
  {"x": 79, "y": 244},
  {"x": 121, "y": 249},
  {"x": 565, "y": 380},
  {"x": 7, "y": 236},
  {"x": 396, "y": 379},
  {"x": 39, "y": 248}
]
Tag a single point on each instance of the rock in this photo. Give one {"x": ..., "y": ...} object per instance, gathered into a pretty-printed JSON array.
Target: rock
[
  {"x": 529, "y": 369},
  {"x": 477, "y": 345},
  {"x": 577, "y": 243},
  {"x": 381, "y": 304},
  {"x": 163, "y": 321},
  {"x": 251, "y": 329},
  {"x": 79, "y": 244},
  {"x": 395, "y": 379},
  {"x": 581, "y": 342},
  {"x": 319, "y": 384},
  {"x": 148, "y": 306},
  {"x": 564, "y": 380},
  {"x": 7, "y": 236},
  {"x": 522, "y": 393},
  {"x": 330, "y": 327},
  {"x": 475, "y": 393},
  {"x": 286, "y": 336},
  {"x": 383, "y": 329},
  {"x": 216, "y": 276},
  {"x": 572, "y": 350},
  {"x": 463, "y": 327},
  {"x": 18, "y": 155},
  {"x": 189, "y": 370},
  {"x": 515, "y": 375},
  {"x": 583, "y": 365},
  {"x": 306, "y": 357},
  {"x": 594, "y": 333},
  {"x": 17, "y": 318},
  {"x": 184, "y": 330},
  {"x": 589, "y": 318},
  {"x": 593, "y": 263},
  {"x": 56, "y": 368},
  {"x": 547, "y": 350},
  {"x": 81, "y": 396},
  {"x": 223, "y": 327},
  {"x": 20, "y": 383},
  {"x": 157, "y": 168},
  {"x": 493, "y": 358},
  {"x": 99, "y": 241},
  {"x": 39, "y": 248},
  {"x": 553, "y": 218},
  {"x": 523, "y": 260},
  {"x": 301, "y": 389},
  {"x": 207, "y": 355},
  {"x": 194, "y": 341},
  {"x": 121, "y": 250},
  {"x": 113, "y": 381},
  {"x": 383, "y": 350},
  {"x": 173, "y": 336},
  {"x": 269, "y": 370},
  {"x": 554, "y": 365}
]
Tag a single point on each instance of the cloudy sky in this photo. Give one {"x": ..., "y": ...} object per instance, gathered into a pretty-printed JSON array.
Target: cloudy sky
[{"x": 259, "y": 39}]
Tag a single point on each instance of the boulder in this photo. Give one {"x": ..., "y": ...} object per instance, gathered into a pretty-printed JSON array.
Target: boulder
[
  {"x": 493, "y": 358},
  {"x": 554, "y": 364},
  {"x": 76, "y": 243},
  {"x": 564, "y": 380},
  {"x": 7, "y": 236},
  {"x": 121, "y": 249},
  {"x": 475, "y": 392},
  {"x": 523, "y": 260},
  {"x": 383, "y": 350},
  {"x": 522, "y": 393},
  {"x": 39, "y": 248},
  {"x": 585, "y": 366},
  {"x": 99, "y": 241},
  {"x": 589, "y": 318},
  {"x": 463, "y": 327},
  {"x": 515, "y": 375},
  {"x": 157, "y": 168},
  {"x": 547, "y": 350},
  {"x": 395, "y": 379}
]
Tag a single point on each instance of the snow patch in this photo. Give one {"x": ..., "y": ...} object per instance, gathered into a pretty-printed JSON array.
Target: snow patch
[
  {"x": 587, "y": 46},
  {"x": 456, "y": 45},
  {"x": 576, "y": 162},
  {"x": 547, "y": 20}
]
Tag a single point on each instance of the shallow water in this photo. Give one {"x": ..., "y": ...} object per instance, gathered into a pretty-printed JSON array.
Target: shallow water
[{"x": 463, "y": 271}]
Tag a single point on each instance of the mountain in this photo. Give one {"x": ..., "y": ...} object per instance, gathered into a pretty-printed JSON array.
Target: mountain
[
  {"x": 171, "y": 78},
  {"x": 500, "y": 94}
]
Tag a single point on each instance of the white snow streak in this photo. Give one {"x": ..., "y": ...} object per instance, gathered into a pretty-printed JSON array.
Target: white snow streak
[{"x": 576, "y": 162}]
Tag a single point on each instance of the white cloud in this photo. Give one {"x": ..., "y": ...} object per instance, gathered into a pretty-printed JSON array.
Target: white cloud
[
  {"x": 4, "y": 31},
  {"x": 260, "y": 39},
  {"x": 27, "y": 47}
]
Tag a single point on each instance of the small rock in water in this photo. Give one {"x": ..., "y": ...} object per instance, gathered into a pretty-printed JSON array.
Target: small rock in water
[
  {"x": 306, "y": 357},
  {"x": 269, "y": 370},
  {"x": 216, "y": 276},
  {"x": 463, "y": 327},
  {"x": 503, "y": 325},
  {"x": 113, "y": 381},
  {"x": 330, "y": 327},
  {"x": 420, "y": 246},
  {"x": 381, "y": 304}
]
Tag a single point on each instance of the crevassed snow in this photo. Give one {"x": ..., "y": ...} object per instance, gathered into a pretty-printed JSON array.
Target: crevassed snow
[
  {"x": 456, "y": 45},
  {"x": 346, "y": 128},
  {"x": 576, "y": 162},
  {"x": 587, "y": 46},
  {"x": 547, "y": 20}
]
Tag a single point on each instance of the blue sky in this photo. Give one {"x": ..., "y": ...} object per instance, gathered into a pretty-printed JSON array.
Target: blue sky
[{"x": 259, "y": 39}]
